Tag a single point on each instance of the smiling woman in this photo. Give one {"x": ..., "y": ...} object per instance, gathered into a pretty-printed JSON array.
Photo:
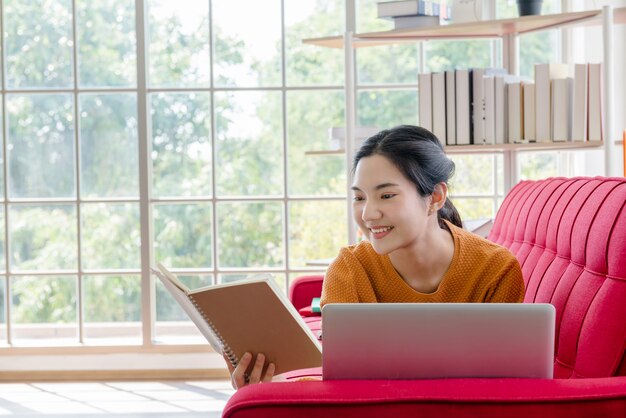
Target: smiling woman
[{"x": 416, "y": 250}]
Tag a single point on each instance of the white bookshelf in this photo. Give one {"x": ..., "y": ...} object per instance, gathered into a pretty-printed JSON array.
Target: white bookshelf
[
  {"x": 484, "y": 29},
  {"x": 507, "y": 30}
]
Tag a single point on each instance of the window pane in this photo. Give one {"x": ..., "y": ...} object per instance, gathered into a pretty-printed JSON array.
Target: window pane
[
  {"x": 367, "y": 17},
  {"x": 110, "y": 236},
  {"x": 172, "y": 323},
  {"x": 38, "y": 42},
  {"x": 245, "y": 56},
  {"x": 387, "y": 108},
  {"x": 249, "y": 143},
  {"x": 2, "y": 242},
  {"x": 108, "y": 138},
  {"x": 278, "y": 278},
  {"x": 317, "y": 229},
  {"x": 182, "y": 235},
  {"x": 310, "y": 114},
  {"x": 178, "y": 42},
  {"x": 500, "y": 178},
  {"x": 388, "y": 64},
  {"x": 44, "y": 308},
  {"x": 537, "y": 165},
  {"x": 2, "y": 195},
  {"x": 112, "y": 307},
  {"x": 250, "y": 234},
  {"x": 448, "y": 55},
  {"x": 42, "y": 237},
  {"x": 473, "y": 174},
  {"x": 310, "y": 64},
  {"x": 474, "y": 208},
  {"x": 41, "y": 145},
  {"x": 181, "y": 144},
  {"x": 3, "y": 323},
  {"x": 537, "y": 48},
  {"x": 106, "y": 43}
]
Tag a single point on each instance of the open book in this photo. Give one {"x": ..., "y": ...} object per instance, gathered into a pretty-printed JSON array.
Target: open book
[{"x": 250, "y": 315}]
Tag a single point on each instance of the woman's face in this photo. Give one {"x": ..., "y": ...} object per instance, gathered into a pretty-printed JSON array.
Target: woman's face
[{"x": 387, "y": 208}]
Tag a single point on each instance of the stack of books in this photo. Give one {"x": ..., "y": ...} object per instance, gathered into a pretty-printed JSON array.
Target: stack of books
[
  {"x": 414, "y": 13},
  {"x": 488, "y": 106}
]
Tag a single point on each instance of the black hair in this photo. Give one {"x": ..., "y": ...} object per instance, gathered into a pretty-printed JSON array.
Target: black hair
[{"x": 419, "y": 155}]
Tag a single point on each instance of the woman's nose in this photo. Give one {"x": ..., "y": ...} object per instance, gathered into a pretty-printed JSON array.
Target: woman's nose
[{"x": 370, "y": 212}]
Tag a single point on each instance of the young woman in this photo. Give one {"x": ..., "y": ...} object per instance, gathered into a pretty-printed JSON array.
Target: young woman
[{"x": 415, "y": 249}]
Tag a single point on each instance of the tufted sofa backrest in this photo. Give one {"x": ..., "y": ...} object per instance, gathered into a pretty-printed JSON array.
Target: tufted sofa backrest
[{"x": 569, "y": 236}]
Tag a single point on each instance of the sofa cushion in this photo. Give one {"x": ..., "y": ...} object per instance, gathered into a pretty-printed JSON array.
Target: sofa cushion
[
  {"x": 511, "y": 398},
  {"x": 569, "y": 236}
]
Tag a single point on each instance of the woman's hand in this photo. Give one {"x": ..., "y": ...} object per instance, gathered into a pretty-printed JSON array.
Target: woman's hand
[{"x": 238, "y": 376}]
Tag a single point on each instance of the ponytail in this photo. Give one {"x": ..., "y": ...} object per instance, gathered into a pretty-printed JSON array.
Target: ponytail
[{"x": 449, "y": 213}]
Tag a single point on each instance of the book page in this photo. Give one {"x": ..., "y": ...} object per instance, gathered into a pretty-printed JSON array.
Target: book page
[
  {"x": 171, "y": 277},
  {"x": 189, "y": 308}
]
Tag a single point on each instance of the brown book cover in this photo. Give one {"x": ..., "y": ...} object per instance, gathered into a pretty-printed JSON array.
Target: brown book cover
[{"x": 254, "y": 315}]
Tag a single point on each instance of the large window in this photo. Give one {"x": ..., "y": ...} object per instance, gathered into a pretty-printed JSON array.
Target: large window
[{"x": 221, "y": 112}]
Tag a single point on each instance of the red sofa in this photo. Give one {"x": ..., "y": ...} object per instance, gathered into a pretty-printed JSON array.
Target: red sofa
[{"x": 570, "y": 238}]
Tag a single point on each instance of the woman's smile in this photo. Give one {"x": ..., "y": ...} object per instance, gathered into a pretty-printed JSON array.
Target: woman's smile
[{"x": 379, "y": 232}]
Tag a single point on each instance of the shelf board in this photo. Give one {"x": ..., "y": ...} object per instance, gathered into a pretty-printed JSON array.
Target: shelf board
[
  {"x": 325, "y": 152},
  {"x": 491, "y": 148},
  {"x": 531, "y": 146},
  {"x": 484, "y": 29}
]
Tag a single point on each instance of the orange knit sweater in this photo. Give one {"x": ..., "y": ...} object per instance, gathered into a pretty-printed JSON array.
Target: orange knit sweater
[{"x": 480, "y": 271}]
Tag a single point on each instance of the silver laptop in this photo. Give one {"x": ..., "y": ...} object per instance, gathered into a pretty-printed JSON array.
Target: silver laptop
[{"x": 437, "y": 340}]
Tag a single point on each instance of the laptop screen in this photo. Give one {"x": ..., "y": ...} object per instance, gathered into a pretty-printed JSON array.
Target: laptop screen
[{"x": 437, "y": 340}]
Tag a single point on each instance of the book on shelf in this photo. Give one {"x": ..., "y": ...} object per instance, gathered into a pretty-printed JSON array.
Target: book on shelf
[
  {"x": 529, "y": 112},
  {"x": 489, "y": 88},
  {"x": 478, "y": 101},
  {"x": 463, "y": 107},
  {"x": 251, "y": 315},
  {"x": 415, "y": 22},
  {"x": 425, "y": 100},
  {"x": 450, "y": 108},
  {"x": 501, "y": 103},
  {"x": 544, "y": 73},
  {"x": 439, "y": 106},
  {"x": 594, "y": 105},
  {"x": 515, "y": 108},
  {"x": 390, "y": 9},
  {"x": 579, "y": 116},
  {"x": 561, "y": 109}
]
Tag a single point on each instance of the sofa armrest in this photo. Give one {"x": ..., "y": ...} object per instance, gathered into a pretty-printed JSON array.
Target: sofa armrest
[
  {"x": 521, "y": 398},
  {"x": 303, "y": 289}
]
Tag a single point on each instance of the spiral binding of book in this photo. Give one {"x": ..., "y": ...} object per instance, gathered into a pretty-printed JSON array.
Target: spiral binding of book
[{"x": 226, "y": 349}]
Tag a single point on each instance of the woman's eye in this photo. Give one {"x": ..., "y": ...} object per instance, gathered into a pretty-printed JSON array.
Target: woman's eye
[
  {"x": 358, "y": 198},
  {"x": 388, "y": 196}
]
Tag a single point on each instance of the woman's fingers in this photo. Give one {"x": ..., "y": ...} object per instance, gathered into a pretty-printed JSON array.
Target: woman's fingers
[
  {"x": 269, "y": 373},
  {"x": 255, "y": 374},
  {"x": 239, "y": 376}
]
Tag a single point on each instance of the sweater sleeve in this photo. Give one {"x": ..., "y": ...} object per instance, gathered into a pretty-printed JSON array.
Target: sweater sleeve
[
  {"x": 509, "y": 286},
  {"x": 339, "y": 285}
]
